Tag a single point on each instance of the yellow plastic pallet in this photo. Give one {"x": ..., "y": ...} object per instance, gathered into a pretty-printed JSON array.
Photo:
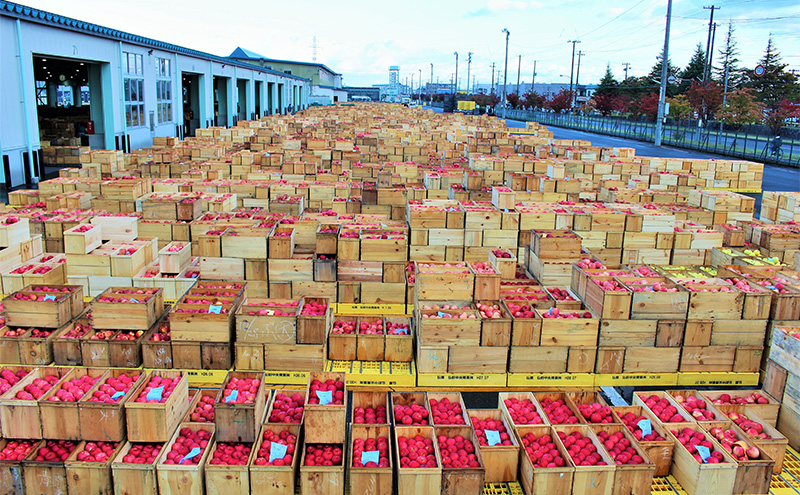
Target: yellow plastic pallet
[{"x": 376, "y": 373}]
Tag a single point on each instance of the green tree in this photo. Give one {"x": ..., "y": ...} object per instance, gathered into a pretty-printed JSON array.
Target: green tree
[
  {"x": 634, "y": 87},
  {"x": 679, "y": 108},
  {"x": 608, "y": 85},
  {"x": 729, "y": 61},
  {"x": 776, "y": 83},
  {"x": 741, "y": 108},
  {"x": 694, "y": 70},
  {"x": 654, "y": 78}
]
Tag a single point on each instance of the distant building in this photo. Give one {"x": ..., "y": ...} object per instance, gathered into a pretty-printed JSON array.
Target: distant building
[
  {"x": 372, "y": 93},
  {"x": 326, "y": 85}
]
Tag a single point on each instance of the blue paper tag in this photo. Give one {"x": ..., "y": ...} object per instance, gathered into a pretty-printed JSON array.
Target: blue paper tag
[
  {"x": 325, "y": 397},
  {"x": 118, "y": 395},
  {"x": 492, "y": 437},
  {"x": 215, "y": 309},
  {"x": 192, "y": 453},
  {"x": 49, "y": 297},
  {"x": 704, "y": 452},
  {"x": 403, "y": 330},
  {"x": 370, "y": 456},
  {"x": 234, "y": 395},
  {"x": 134, "y": 300},
  {"x": 276, "y": 451},
  {"x": 155, "y": 394},
  {"x": 442, "y": 314},
  {"x": 646, "y": 427}
]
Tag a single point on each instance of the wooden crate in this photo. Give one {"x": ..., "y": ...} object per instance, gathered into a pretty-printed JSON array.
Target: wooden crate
[
  {"x": 659, "y": 451},
  {"x": 399, "y": 348},
  {"x": 724, "y": 305},
  {"x": 506, "y": 266},
  {"x": 569, "y": 331},
  {"x": 275, "y": 480},
  {"x": 630, "y": 479},
  {"x": 411, "y": 481},
  {"x": 325, "y": 424},
  {"x": 487, "y": 285},
  {"x": 148, "y": 422},
  {"x": 36, "y": 351},
  {"x": 768, "y": 412},
  {"x": 43, "y": 477},
  {"x": 370, "y": 347},
  {"x": 496, "y": 332},
  {"x": 11, "y": 481},
  {"x": 174, "y": 261},
  {"x": 281, "y": 246},
  {"x": 184, "y": 479},
  {"x": 753, "y": 475},
  {"x": 94, "y": 351},
  {"x": 78, "y": 241},
  {"x": 466, "y": 480},
  {"x": 20, "y": 418},
  {"x": 543, "y": 480},
  {"x": 640, "y": 398},
  {"x": 520, "y": 396},
  {"x": 203, "y": 327},
  {"x": 534, "y": 359},
  {"x": 61, "y": 419},
  {"x": 157, "y": 354},
  {"x": 322, "y": 480},
  {"x": 266, "y": 328},
  {"x": 67, "y": 350},
  {"x": 49, "y": 314},
  {"x": 452, "y": 397},
  {"x": 292, "y": 357},
  {"x": 555, "y": 244},
  {"x": 707, "y": 358},
  {"x": 364, "y": 399},
  {"x": 500, "y": 461},
  {"x": 590, "y": 479},
  {"x": 342, "y": 346},
  {"x": 774, "y": 446},
  {"x": 314, "y": 329},
  {"x": 140, "y": 315},
  {"x": 652, "y": 305},
  {"x": 202, "y": 355},
  {"x": 221, "y": 479},
  {"x": 698, "y": 478},
  {"x": 608, "y": 304},
  {"x": 438, "y": 283},
  {"x": 447, "y": 331},
  {"x": 238, "y": 423},
  {"x": 100, "y": 421},
  {"x": 90, "y": 477},
  {"x": 407, "y": 398},
  {"x": 376, "y": 480}
]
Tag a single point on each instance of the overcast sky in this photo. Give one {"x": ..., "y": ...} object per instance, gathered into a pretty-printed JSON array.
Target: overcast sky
[{"x": 361, "y": 39}]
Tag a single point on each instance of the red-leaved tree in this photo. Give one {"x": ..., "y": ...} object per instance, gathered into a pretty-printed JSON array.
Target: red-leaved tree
[
  {"x": 775, "y": 116},
  {"x": 605, "y": 103},
  {"x": 561, "y": 101},
  {"x": 705, "y": 99},
  {"x": 533, "y": 100},
  {"x": 645, "y": 105},
  {"x": 513, "y": 99}
]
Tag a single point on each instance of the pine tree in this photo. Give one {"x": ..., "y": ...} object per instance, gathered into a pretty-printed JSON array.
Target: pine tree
[
  {"x": 655, "y": 76},
  {"x": 729, "y": 61},
  {"x": 776, "y": 84},
  {"x": 694, "y": 70},
  {"x": 608, "y": 85}
]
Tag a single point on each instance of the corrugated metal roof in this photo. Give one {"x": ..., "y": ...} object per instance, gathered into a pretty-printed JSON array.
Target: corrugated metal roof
[
  {"x": 12, "y": 9},
  {"x": 243, "y": 53}
]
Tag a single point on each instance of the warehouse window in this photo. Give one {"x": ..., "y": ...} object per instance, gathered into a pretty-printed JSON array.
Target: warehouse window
[
  {"x": 41, "y": 93},
  {"x": 134, "y": 89},
  {"x": 164, "y": 90}
]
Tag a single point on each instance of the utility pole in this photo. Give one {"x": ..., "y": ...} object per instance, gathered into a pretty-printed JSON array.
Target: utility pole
[
  {"x": 469, "y": 62},
  {"x": 533, "y": 78},
  {"x": 431, "y": 88},
  {"x": 664, "y": 74},
  {"x": 505, "y": 74},
  {"x": 419, "y": 90},
  {"x": 627, "y": 66},
  {"x": 572, "y": 69},
  {"x": 578, "y": 75},
  {"x": 706, "y": 70},
  {"x": 455, "y": 85},
  {"x": 519, "y": 66},
  {"x": 711, "y": 53},
  {"x": 491, "y": 92}
]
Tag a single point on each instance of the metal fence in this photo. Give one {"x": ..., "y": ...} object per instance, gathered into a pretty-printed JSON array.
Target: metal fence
[{"x": 719, "y": 141}]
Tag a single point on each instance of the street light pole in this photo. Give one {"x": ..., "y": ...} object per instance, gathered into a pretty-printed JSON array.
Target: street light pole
[
  {"x": 572, "y": 70},
  {"x": 431, "y": 88},
  {"x": 455, "y": 79},
  {"x": 469, "y": 62},
  {"x": 664, "y": 69},
  {"x": 519, "y": 66},
  {"x": 419, "y": 90},
  {"x": 505, "y": 74}
]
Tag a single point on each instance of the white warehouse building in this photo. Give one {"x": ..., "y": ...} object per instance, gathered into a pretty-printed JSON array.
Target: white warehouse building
[{"x": 119, "y": 89}]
